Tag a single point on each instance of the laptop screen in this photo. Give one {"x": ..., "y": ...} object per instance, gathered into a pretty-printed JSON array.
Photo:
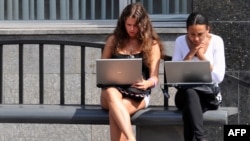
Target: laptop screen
[
  {"x": 187, "y": 72},
  {"x": 118, "y": 71}
]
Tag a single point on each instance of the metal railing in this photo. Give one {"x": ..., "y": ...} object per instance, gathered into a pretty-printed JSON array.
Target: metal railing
[
  {"x": 239, "y": 81},
  {"x": 41, "y": 44}
]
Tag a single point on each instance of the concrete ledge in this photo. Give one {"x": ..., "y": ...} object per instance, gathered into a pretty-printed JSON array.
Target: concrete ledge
[
  {"x": 77, "y": 27},
  {"x": 94, "y": 114}
]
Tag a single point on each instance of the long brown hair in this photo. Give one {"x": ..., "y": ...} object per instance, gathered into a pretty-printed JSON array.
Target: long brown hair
[{"x": 147, "y": 36}]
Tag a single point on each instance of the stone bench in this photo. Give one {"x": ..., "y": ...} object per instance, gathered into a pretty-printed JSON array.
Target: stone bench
[{"x": 153, "y": 123}]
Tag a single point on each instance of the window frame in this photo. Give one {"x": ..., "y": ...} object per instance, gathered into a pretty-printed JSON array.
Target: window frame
[{"x": 158, "y": 21}]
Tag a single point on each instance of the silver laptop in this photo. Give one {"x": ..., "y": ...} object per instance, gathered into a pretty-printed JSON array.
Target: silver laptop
[
  {"x": 187, "y": 73},
  {"x": 118, "y": 71}
]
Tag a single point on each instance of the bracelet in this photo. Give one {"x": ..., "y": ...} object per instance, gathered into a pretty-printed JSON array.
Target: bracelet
[{"x": 151, "y": 78}]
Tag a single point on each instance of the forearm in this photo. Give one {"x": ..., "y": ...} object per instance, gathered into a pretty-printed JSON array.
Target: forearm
[
  {"x": 152, "y": 81},
  {"x": 189, "y": 56},
  {"x": 154, "y": 72}
]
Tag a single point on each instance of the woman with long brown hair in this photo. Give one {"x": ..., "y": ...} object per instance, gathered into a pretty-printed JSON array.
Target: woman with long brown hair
[{"x": 133, "y": 37}]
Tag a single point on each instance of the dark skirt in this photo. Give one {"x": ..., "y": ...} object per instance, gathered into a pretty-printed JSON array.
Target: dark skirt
[{"x": 133, "y": 93}]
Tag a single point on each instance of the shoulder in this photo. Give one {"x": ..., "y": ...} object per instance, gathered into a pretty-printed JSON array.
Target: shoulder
[
  {"x": 181, "y": 38},
  {"x": 155, "y": 42},
  {"x": 110, "y": 38},
  {"x": 216, "y": 42},
  {"x": 110, "y": 41},
  {"x": 109, "y": 45},
  {"x": 216, "y": 37},
  {"x": 156, "y": 47}
]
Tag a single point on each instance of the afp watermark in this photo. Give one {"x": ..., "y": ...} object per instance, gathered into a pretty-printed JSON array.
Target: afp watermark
[{"x": 239, "y": 132}]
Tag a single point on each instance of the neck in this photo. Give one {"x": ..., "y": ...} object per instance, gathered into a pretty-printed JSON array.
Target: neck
[{"x": 132, "y": 40}]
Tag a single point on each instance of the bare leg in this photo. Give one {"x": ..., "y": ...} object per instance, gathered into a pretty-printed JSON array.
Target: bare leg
[
  {"x": 115, "y": 132},
  {"x": 119, "y": 111}
]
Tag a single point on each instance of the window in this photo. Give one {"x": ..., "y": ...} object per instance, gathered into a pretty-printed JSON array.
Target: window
[
  {"x": 58, "y": 9},
  {"x": 160, "y": 10},
  {"x": 167, "y": 10}
]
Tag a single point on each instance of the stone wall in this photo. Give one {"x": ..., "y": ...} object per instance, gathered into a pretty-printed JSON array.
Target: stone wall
[{"x": 231, "y": 20}]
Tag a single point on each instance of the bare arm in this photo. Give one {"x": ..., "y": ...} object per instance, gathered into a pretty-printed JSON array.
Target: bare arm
[
  {"x": 108, "y": 48},
  {"x": 153, "y": 68}
]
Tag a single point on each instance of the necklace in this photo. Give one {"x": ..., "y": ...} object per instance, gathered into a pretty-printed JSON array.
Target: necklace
[
  {"x": 131, "y": 56},
  {"x": 132, "y": 48},
  {"x": 131, "y": 51}
]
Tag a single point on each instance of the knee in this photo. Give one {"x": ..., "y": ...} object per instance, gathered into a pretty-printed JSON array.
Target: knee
[
  {"x": 191, "y": 96},
  {"x": 190, "y": 93},
  {"x": 185, "y": 95},
  {"x": 106, "y": 97},
  {"x": 110, "y": 94}
]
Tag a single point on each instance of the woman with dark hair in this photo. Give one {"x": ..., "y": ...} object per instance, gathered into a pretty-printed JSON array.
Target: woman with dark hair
[
  {"x": 133, "y": 37},
  {"x": 198, "y": 45}
]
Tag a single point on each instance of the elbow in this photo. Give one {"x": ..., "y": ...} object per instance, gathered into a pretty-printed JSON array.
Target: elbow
[{"x": 218, "y": 78}]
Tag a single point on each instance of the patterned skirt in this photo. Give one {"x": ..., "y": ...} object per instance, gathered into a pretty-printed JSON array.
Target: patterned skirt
[{"x": 134, "y": 93}]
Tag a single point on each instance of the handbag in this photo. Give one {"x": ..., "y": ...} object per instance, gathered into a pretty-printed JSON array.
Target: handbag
[{"x": 211, "y": 92}]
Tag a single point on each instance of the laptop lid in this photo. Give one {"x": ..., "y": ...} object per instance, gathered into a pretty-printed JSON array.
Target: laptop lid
[
  {"x": 118, "y": 71},
  {"x": 187, "y": 73}
]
